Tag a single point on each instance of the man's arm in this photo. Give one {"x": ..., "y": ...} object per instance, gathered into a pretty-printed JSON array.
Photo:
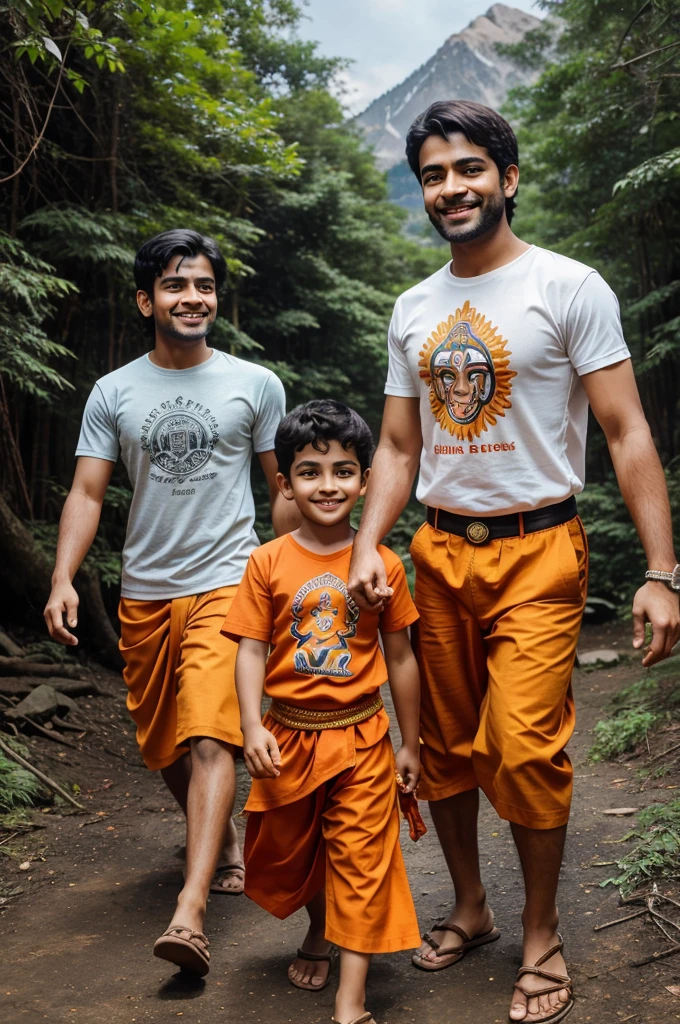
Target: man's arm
[
  {"x": 260, "y": 749},
  {"x": 285, "y": 514},
  {"x": 615, "y": 401},
  {"x": 402, "y": 672},
  {"x": 389, "y": 487},
  {"x": 77, "y": 529}
]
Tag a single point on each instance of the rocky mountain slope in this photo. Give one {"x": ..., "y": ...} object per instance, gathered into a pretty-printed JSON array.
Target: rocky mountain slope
[{"x": 467, "y": 66}]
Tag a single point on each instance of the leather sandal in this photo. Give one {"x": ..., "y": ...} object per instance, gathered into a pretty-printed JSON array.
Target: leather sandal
[
  {"x": 226, "y": 870},
  {"x": 365, "y": 1018},
  {"x": 560, "y": 981},
  {"x": 185, "y": 948},
  {"x": 302, "y": 954},
  {"x": 451, "y": 954}
]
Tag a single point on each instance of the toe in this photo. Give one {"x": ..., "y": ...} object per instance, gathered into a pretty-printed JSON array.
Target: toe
[{"x": 518, "y": 1007}]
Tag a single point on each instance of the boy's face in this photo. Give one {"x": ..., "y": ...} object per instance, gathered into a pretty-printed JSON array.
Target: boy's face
[
  {"x": 325, "y": 486},
  {"x": 184, "y": 301}
]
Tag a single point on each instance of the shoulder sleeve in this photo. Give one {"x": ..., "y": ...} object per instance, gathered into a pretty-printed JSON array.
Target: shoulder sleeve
[
  {"x": 251, "y": 613},
  {"x": 594, "y": 337},
  {"x": 400, "y": 610},
  {"x": 271, "y": 410},
  {"x": 98, "y": 434},
  {"x": 399, "y": 379}
]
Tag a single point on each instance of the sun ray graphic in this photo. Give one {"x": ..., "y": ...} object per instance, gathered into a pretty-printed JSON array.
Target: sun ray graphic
[{"x": 466, "y": 366}]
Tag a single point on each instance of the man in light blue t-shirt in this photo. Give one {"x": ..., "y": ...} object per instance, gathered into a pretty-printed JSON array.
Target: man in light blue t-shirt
[{"x": 186, "y": 420}]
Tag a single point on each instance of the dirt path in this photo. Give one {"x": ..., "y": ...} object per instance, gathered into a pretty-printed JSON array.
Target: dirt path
[{"x": 77, "y": 945}]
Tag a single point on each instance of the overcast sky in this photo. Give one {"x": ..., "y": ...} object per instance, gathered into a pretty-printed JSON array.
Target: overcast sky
[{"x": 387, "y": 39}]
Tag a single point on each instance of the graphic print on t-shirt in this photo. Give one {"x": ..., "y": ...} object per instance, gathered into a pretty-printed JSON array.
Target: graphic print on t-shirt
[
  {"x": 180, "y": 438},
  {"x": 325, "y": 618},
  {"x": 465, "y": 364}
]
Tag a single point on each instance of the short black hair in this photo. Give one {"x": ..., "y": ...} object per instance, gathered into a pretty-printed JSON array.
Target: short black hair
[
  {"x": 154, "y": 256},
  {"x": 480, "y": 125},
  {"x": 318, "y": 423}
]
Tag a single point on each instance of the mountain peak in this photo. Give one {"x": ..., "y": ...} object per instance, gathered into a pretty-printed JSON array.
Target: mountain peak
[{"x": 466, "y": 66}]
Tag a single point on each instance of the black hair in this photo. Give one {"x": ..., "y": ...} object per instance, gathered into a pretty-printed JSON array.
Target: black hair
[
  {"x": 318, "y": 423},
  {"x": 480, "y": 125},
  {"x": 154, "y": 256}
]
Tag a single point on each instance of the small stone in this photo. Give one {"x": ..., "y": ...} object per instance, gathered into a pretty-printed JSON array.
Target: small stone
[
  {"x": 621, "y": 811},
  {"x": 26, "y": 866},
  {"x": 604, "y": 657}
]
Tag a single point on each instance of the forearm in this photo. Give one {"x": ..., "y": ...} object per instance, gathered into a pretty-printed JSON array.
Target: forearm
[
  {"x": 389, "y": 489},
  {"x": 251, "y": 663},
  {"x": 404, "y": 681},
  {"x": 77, "y": 530},
  {"x": 643, "y": 486}
]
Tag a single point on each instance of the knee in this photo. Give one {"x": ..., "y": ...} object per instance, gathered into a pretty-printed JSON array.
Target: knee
[{"x": 208, "y": 753}]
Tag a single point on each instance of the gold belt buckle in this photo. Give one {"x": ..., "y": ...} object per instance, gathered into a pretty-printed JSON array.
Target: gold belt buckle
[{"x": 477, "y": 533}]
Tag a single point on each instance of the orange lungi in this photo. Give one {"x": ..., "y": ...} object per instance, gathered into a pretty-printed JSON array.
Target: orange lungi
[
  {"x": 496, "y": 645},
  {"x": 337, "y": 828},
  {"x": 179, "y": 671}
]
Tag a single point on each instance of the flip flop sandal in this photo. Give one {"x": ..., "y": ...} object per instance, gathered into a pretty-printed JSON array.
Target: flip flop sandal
[
  {"x": 365, "y": 1018},
  {"x": 452, "y": 954},
  {"x": 561, "y": 981},
  {"x": 224, "y": 870},
  {"x": 185, "y": 948},
  {"x": 315, "y": 958}
]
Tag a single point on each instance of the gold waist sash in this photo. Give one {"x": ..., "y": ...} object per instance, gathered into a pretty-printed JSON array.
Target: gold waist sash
[{"x": 340, "y": 718}]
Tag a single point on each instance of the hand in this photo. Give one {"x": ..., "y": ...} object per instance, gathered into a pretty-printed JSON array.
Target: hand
[
  {"x": 656, "y": 604},
  {"x": 368, "y": 580},
  {"x": 408, "y": 767},
  {"x": 261, "y": 753},
  {"x": 63, "y": 602}
]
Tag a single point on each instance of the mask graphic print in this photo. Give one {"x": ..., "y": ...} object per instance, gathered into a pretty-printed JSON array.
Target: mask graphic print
[
  {"x": 466, "y": 367},
  {"x": 324, "y": 619}
]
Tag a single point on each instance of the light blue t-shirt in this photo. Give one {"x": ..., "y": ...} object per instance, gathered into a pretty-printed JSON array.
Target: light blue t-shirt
[{"x": 186, "y": 438}]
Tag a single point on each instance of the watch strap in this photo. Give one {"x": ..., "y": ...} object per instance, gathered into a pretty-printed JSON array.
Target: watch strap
[{"x": 671, "y": 579}]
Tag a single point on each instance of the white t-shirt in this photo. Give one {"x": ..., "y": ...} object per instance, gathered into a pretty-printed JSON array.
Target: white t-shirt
[
  {"x": 186, "y": 438},
  {"x": 495, "y": 361}
]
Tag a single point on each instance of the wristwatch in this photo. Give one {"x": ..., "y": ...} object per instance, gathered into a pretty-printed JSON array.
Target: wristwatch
[{"x": 671, "y": 579}]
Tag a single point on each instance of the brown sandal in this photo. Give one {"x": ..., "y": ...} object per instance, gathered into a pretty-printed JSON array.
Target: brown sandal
[
  {"x": 185, "y": 948},
  {"x": 452, "y": 954},
  {"x": 302, "y": 954},
  {"x": 561, "y": 981},
  {"x": 365, "y": 1018},
  {"x": 225, "y": 870}
]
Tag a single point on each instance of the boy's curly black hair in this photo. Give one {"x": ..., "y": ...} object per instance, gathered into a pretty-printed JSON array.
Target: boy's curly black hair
[{"x": 318, "y": 423}]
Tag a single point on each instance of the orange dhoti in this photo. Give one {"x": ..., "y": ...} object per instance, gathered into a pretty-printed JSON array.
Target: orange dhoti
[
  {"x": 496, "y": 645},
  {"x": 337, "y": 830},
  {"x": 179, "y": 671}
]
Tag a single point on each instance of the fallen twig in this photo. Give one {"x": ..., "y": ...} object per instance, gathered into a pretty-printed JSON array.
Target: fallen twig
[
  {"x": 50, "y": 733},
  {"x": 54, "y": 786},
  {"x": 60, "y": 723},
  {"x": 21, "y": 667},
  {"x": 655, "y": 957},
  {"x": 657, "y": 757},
  {"x": 620, "y": 920}
]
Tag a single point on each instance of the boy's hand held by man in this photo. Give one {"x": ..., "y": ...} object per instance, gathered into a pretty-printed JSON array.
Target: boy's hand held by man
[
  {"x": 368, "y": 579},
  {"x": 261, "y": 753}
]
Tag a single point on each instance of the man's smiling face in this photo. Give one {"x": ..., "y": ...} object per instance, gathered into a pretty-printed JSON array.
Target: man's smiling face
[
  {"x": 463, "y": 194},
  {"x": 184, "y": 304}
]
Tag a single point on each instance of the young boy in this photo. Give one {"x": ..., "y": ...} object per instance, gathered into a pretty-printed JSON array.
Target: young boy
[{"x": 323, "y": 824}]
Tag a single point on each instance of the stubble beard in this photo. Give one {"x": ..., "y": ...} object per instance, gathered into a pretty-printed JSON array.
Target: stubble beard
[{"x": 491, "y": 216}]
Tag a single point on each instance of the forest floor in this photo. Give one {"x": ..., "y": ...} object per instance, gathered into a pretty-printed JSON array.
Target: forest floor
[{"x": 76, "y": 939}]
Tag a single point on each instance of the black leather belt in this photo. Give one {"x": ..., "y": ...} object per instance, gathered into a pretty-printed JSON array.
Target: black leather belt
[{"x": 482, "y": 529}]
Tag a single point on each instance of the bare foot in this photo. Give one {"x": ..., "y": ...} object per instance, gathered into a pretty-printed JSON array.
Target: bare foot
[
  {"x": 533, "y": 1009},
  {"x": 311, "y": 974},
  {"x": 474, "y": 920}
]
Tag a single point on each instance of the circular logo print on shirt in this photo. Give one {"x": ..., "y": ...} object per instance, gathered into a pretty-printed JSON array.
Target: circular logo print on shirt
[
  {"x": 466, "y": 367},
  {"x": 180, "y": 443}
]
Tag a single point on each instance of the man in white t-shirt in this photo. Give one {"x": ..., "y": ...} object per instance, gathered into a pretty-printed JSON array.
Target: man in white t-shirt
[
  {"x": 493, "y": 361},
  {"x": 186, "y": 420}
]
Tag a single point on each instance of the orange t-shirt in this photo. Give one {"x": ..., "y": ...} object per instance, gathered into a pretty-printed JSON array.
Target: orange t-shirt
[
  {"x": 325, "y": 649},
  {"x": 325, "y": 654}
]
